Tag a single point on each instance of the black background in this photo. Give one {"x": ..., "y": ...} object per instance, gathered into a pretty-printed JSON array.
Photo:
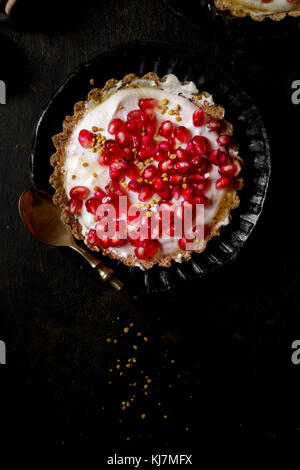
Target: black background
[{"x": 232, "y": 379}]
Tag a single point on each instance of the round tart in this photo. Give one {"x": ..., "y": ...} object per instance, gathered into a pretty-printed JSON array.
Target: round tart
[
  {"x": 260, "y": 9},
  {"x": 146, "y": 170}
]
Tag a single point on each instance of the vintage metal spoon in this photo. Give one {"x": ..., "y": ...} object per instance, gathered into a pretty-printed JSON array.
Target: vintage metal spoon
[{"x": 42, "y": 219}]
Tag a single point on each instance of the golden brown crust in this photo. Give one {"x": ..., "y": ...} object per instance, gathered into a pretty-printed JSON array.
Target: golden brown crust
[
  {"x": 60, "y": 198},
  {"x": 240, "y": 11}
]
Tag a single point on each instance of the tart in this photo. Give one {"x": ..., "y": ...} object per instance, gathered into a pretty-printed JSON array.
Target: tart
[
  {"x": 146, "y": 170},
  {"x": 260, "y": 9}
]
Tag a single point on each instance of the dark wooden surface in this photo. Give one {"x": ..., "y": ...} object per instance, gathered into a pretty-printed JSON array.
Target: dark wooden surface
[{"x": 230, "y": 377}]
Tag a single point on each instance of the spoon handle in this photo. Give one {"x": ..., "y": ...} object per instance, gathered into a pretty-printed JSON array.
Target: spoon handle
[{"x": 104, "y": 272}]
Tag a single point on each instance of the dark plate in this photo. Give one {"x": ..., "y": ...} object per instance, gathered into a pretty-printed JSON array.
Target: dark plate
[
  {"x": 240, "y": 110},
  {"x": 221, "y": 25}
]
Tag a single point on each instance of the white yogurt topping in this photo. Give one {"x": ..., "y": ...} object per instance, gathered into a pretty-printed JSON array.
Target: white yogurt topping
[
  {"x": 269, "y": 7},
  {"x": 100, "y": 115}
]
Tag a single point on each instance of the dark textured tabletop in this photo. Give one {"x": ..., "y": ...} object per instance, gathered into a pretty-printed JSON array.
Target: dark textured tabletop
[{"x": 74, "y": 377}]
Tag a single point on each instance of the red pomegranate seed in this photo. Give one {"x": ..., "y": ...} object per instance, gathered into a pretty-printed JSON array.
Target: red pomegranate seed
[
  {"x": 164, "y": 193},
  {"x": 123, "y": 138},
  {"x": 75, "y": 206},
  {"x": 160, "y": 156},
  {"x": 150, "y": 129},
  {"x": 213, "y": 156},
  {"x": 223, "y": 158},
  {"x": 149, "y": 172},
  {"x": 100, "y": 194},
  {"x": 148, "y": 142},
  {"x": 223, "y": 140},
  {"x": 132, "y": 171},
  {"x": 183, "y": 134},
  {"x": 200, "y": 200},
  {"x": 196, "y": 178},
  {"x": 146, "y": 193},
  {"x": 198, "y": 117},
  {"x": 182, "y": 243},
  {"x": 228, "y": 170},
  {"x": 158, "y": 184},
  {"x": 142, "y": 252},
  {"x": 116, "y": 241},
  {"x": 114, "y": 189},
  {"x": 92, "y": 204},
  {"x": 187, "y": 193},
  {"x": 147, "y": 249},
  {"x": 164, "y": 146},
  {"x": 213, "y": 125},
  {"x": 92, "y": 238},
  {"x": 85, "y": 138},
  {"x": 182, "y": 154},
  {"x": 200, "y": 144},
  {"x": 114, "y": 126},
  {"x": 134, "y": 115},
  {"x": 182, "y": 166},
  {"x": 223, "y": 182},
  {"x": 144, "y": 154},
  {"x": 133, "y": 238},
  {"x": 79, "y": 192},
  {"x": 166, "y": 166},
  {"x": 132, "y": 126},
  {"x": 105, "y": 158},
  {"x": 134, "y": 186},
  {"x": 166, "y": 128},
  {"x": 147, "y": 103},
  {"x": 175, "y": 179},
  {"x": 116, "y": 170}
]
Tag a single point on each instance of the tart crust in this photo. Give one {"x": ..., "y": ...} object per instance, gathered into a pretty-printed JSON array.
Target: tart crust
[
  {"x": 240, "y": 11},
  {"x": 230, "y": 199}
]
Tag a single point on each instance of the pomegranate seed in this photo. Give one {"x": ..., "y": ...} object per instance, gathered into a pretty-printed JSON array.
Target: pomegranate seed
[
  {"x": 228, "y": 170},
  {"x": 92, "y": 238},
  {"x": 133, "y": 213},
  {"x": 213, "y": 125},
  {"x": 166, "y": 166},
  {"x": 100, "y": 194},
  {"x": 147, "y": 103},
  {"x": 160, "y": 156},
  {"x": 182, "y": 154},
  {"x": 198, "y": 117},
  {"x": 175, "y": 179},
  {"x": 223, "y": 182},
  {"x": 132, "y": 126},
  {"x": 146, "y": 193},
  {"x": 135, "y": 186},
  {"x": 105, "y": 241},
  {"x": 150, "y": 130},
  {"x": 147, "y": 249},
  {"x": 164, "y": 193},
  {"x": 164, "y": 146},
  {"x": 183, "y": 134},
  {"x": 132, "y": 172},
  {"x": 75, "y": 206},
  {"x": 142, "y": 252},
  {"x": 213, "y": 156},
  {"x": 114, "y": 189},
  {"x": 223, "y": 158},
  {"x": 128, "y": 154},
  {"x": 153, "y": 246},
  {"x": 92, "y": 204},
  {"x": 116, "y": 170},
  {"x": 105, "y": 159},
  {"x": 166, "y": 128},
  {"x": 116, "y": 241},
  {"x": 201, "y": 200},
  {"x": 148, "y": 142},
  {"x": 158, "y": 184},
  {"x": 149, "y": 172},
  {"x": 85, "y": 138},
  {"x": 200, "y": 144},
  {"x": 123, "y": 138},
  {"x": 183, "y": 166},
  {"x": 79, "y": 192},
  {"x": 196, "y": 178},
  {"x": 187, "y": 193},
  {"x": 144, "y": 154},
  {"x": 223, "y": 140},
  {"x": 182, "y": 243},
  {"x": 134, "y": 115},
  {"x": 114, "y": 126}
]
